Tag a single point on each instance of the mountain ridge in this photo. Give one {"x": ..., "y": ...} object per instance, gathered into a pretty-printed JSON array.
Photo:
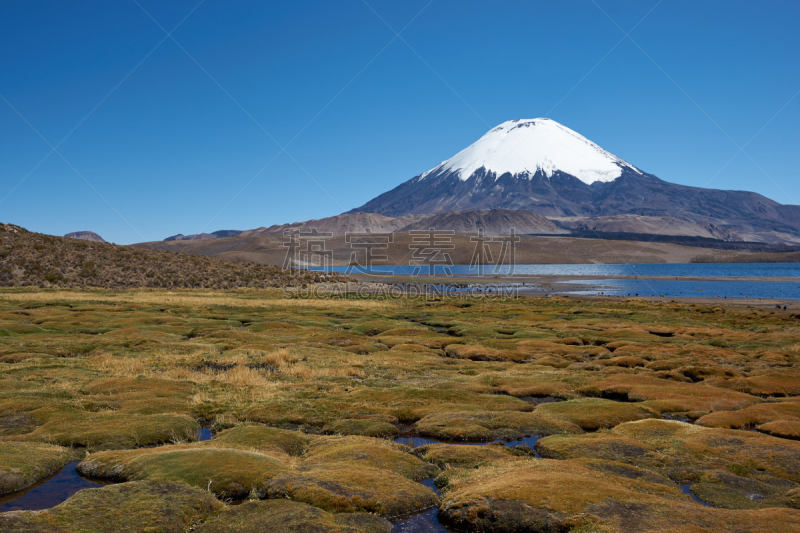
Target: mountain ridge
[
  {"x": 219, "y": 234},
  {"x": 85, "y": 236},
  {"x": 338, "y": 225}
]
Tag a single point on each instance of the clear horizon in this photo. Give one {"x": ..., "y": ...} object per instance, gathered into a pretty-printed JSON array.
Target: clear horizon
[{"x": 256, "y": 114}]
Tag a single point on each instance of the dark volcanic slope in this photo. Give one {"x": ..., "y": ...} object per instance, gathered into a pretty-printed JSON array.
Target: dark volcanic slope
[
  {"x": 33, "y": 259},
  {"x": 648, "y": 225},
  {"x": 493, "y": 222},
  {"x": 561, "y": 195}
]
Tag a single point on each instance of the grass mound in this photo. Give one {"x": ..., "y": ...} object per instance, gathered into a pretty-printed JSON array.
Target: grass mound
[
  {"x": 341, "y": 488},
  {"x": 109, "y": 430},
  {"x": 490, "y": 425},
  {"x": 787, "y": 429},
  {"x": 264, "y": 439},
  {"x": 286, "y": 516},
  {"x": 592, "y": 414},
  {"x": 339, "y": 474},
  {"x": 22, "y": 464},
  {"x": 366, "y": 452},
  {"x": 668, "y": 396},
  {"x": 364, "y": 427},
  {"x": 755, "y": 415},
  {"x": 767, "y": 384},
  {"x": 531, "y": 497},
  {"x": 225, "y": 472},
  {"x": 481, "y": 353},
  {"x": 447, "y": 456},
  {"x": 140, "y": 506},
  {"x": 733, "y": 469}
]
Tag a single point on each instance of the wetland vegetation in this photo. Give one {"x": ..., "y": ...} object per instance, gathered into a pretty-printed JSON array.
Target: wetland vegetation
[{"x": 634, "y": 402}]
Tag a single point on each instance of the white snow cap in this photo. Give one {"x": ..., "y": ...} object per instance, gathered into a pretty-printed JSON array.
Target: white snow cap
[{"x": 525, "y": 146}]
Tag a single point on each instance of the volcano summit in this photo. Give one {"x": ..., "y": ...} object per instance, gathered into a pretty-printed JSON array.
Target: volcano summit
[{"x": 524, "y": 147}]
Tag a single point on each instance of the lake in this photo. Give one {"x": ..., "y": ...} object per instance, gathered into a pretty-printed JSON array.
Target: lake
[
  {"x": 737, "y": 270},
  {"x": 673, "y": 288},
  {"x": 686, "y": 289}
]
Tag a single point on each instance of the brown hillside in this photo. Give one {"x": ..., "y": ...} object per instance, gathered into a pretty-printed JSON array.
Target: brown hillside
[
  {"x": 556, "y": 249},
  {"x": 492, "y": 221},
  {"x": 33, "y": 259},
  {"x": 338, "y": 225}
]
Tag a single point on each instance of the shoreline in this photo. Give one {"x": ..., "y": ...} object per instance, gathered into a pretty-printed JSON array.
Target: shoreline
[{"x": 556, "y": 278}]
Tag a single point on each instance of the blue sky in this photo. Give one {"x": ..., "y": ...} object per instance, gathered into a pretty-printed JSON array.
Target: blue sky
[{"x": 158, "y": 135}]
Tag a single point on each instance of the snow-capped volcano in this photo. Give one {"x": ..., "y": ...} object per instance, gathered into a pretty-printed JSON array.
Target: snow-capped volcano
[
  {"x": 523, "y": 147},
  {"x": 541, "y": 166}
]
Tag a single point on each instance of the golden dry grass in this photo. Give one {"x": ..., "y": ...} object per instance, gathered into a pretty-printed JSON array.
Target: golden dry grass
[
  {"x": 243, "y": 298},
  {"x": 117, "y": 370}
]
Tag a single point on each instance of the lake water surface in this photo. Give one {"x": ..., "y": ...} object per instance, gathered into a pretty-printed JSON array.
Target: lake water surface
[
  {"x": 779, "y": 290},
  {"x": 643, "y": 285},
  {"x": 734, "y": 270}
]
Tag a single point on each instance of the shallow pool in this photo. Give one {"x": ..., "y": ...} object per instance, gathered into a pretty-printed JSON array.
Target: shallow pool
[{"x": 48, "y": 492}]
